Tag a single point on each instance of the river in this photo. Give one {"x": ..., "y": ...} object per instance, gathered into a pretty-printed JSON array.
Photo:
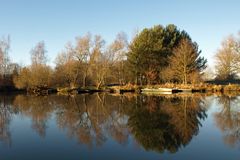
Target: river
[{"x": 129, "y": 126}]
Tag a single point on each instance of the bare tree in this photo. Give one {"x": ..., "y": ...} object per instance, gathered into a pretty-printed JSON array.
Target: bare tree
[
  {"x": 236, "y": 50},
  {"x": 22, "y": 80},
  {"x": 117, "y": 53},
  {"x": 82, "y": 52},
  {"x": 4, "y": 57},
  {"x": 227, "y": 59},
  {"x": 38, "y": 74},
  {"x": 67, "y": 69},
  {"x": 4, "y": 50},
  {"x": 38, "y": 54},
  {"x": 186, "y": 61},
  {"x": 98, "y": 61}
]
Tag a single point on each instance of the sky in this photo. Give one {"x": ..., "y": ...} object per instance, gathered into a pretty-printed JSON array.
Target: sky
[{"x": 57, "y": 22}]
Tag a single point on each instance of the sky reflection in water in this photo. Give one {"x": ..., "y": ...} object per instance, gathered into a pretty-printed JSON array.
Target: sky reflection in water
[{"x": 102, "y": 126}]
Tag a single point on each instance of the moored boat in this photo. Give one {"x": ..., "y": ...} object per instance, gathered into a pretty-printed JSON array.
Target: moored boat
[{"x": 171, "y": 90}]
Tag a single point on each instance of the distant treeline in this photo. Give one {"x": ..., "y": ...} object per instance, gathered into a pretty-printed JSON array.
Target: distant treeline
[{"x": 153, "y": 56}]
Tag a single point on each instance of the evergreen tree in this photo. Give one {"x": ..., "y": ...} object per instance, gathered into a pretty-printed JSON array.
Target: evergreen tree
[{"x": 149, "y": 52}]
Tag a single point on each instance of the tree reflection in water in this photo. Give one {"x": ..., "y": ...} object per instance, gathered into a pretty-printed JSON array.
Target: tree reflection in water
[
  {"x": 92, "y": 117},
  {"x": 38, "y": 108},
  {"x": 228, "y": 119},
  {"x": 5, "y": 118},
  {"x": 89, "y": 118},
  {"x": 157, "y": 123},
  {"x": 166, "y": 123}
]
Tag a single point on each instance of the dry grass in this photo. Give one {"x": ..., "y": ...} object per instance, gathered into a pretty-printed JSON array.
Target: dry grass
[
  {"x": 200, "y": 87},
  {"x": 232, "y": 87}
]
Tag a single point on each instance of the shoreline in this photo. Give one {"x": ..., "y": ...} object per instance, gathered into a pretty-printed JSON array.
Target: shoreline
[{"x": 189, "y": 88}]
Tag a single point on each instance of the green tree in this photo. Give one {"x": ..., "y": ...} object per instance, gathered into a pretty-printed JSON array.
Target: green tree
[{"x": 149, "y": 51}]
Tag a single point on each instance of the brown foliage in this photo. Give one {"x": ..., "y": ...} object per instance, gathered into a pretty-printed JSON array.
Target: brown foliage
[{"x": 185, "y": 62}]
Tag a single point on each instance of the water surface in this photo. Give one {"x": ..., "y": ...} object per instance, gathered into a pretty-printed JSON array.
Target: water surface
[{"x": 103, "y": 126}]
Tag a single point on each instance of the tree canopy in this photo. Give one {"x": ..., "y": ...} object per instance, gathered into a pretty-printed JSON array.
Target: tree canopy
[
  {"x": 149, "y": 52},
  {"x": 153, "y": 56},
  {"x": 227, "y": 59},
  {"x": 185, "y": 62}
]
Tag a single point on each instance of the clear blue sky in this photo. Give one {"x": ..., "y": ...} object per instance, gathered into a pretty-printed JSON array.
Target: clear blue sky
[{"x": 60, "y": 21}]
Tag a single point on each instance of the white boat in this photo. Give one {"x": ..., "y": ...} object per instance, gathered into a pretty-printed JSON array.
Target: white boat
[{"x": 171, "y": 90}]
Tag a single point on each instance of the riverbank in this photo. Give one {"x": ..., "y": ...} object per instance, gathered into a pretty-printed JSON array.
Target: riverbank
[
  {"x": 129, "y": 88},
  {"x": 203, "y": 87},
  {"x": 93, "y": 89}
]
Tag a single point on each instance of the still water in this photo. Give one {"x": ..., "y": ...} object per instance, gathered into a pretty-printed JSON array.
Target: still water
[{"x": 103, "y": 126}]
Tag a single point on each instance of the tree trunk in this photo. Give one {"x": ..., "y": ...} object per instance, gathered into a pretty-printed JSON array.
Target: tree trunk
[
  {"x": 140, "y": 79},
  {"x": 84, "y": 80},
  {"x": 99, "y": 84},
  {"x": 185, "y": 78}
]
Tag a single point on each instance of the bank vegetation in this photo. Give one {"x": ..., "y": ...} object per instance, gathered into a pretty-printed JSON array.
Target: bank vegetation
[{"x": 160, "y": 55}]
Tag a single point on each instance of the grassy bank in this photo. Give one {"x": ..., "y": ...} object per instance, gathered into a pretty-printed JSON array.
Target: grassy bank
[
  {"x": 129, "y": 88},
  {"x": 203, "y": 87}
]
